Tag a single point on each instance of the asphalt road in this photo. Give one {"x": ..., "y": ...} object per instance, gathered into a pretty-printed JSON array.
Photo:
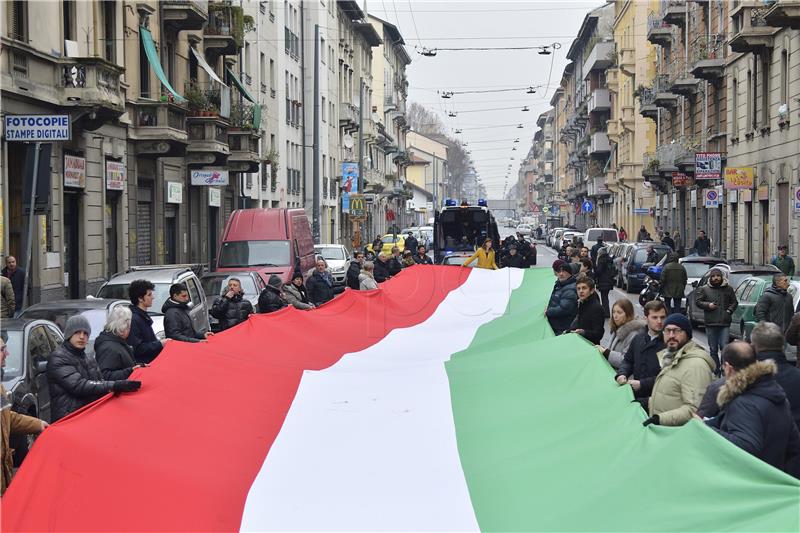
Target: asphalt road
[{"x": 545, "y": 257}]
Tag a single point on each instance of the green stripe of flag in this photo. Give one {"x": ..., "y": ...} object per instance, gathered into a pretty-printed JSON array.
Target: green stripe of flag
[{"x": 548, "y": 442}]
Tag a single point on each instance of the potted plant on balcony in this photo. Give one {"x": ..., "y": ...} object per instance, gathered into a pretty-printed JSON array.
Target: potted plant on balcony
[{"x": 194, "y": 97}]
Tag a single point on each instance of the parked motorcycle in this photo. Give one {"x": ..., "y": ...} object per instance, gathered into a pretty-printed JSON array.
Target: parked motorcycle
[{"x": 652, "y": 286}]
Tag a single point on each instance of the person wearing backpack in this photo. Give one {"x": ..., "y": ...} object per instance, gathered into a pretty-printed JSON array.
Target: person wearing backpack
[{"x": 605, "y": 274}]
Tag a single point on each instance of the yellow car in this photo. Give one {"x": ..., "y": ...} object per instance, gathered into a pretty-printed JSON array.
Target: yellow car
[{"x": 390, "y": 240}]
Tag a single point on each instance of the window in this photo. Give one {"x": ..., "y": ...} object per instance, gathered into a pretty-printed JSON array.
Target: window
[
  {"x": 322, "y": 48},
  {"x": 144, "y": 72},
  {"x": 765, "y": 64},
  {"x": 751, "y": 118},
  {"x": 110, "y": 30},
  {"x": 246, "y": 67},
  {"x": 194, "y": 292},
  {"x": 68, "y": 14},
  {"x": 192, "y": 68},
  {"x": 18, "y": 28},
  {"x": 784, "y": 77},
  {"x": 262, "y": 72},
  {"x": 735, "y": 104},
  {"x": 324, "y": 113},
  {"x": 272, "y": 77}
]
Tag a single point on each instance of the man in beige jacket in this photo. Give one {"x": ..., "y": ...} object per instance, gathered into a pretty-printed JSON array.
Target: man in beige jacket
[
  {"x": 7, "y": 300},
  {"x": 686, "y": 371}
]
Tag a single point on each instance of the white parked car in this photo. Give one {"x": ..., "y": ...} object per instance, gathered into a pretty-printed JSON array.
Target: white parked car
[
  {"x": 338, "y": 259},
  {"x": 609, "y": 235},
  {"x": 524, "y": 229}
]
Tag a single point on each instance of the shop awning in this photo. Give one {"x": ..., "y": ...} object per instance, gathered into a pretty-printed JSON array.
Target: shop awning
[
  {"x": 205, "y": 66},
  {"x": 239, "y": 85},
  {"x": 152, "y": 57}
]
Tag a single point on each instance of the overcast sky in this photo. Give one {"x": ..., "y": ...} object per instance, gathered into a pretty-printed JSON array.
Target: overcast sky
[{"x": 461, "y": 24}]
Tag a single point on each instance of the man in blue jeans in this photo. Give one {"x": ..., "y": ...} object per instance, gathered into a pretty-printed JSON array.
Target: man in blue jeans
[{"x": 717, "y": 299}]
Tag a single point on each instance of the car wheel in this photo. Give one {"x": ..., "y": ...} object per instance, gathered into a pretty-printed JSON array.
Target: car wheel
[{"x": 745, "y": 336}]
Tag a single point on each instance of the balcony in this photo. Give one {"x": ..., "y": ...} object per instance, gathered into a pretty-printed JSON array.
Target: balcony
[
  {"x": 708, "y": 57},
  {"x": 243, "y": 138},
  {"x": 784, "y": 14},
  {"x": 348, "y": 117},
  {"x": 596, "y": 187},
  {"x": 612, "y": 130},
  {"x": 647, "y": 106},
  {"x": 599, "y": 144},
  {"x": 370, "y": 129},
  {"x": 600, "y": 58},
  {"x": 208, "y": 140},
  {"x": 681, "y": 81},
  {"x": 600, "y": 101},
  {"x": 663, "y": 95},
  {"x": 223, "y": 35},
  {"x": 678, "y": 155},
  {"x": 658, "y": 31},
  {"x": 180, "y": 15},
  {"x": 627, "y": 60},
  {"x": 750, "y": 29},
  {"x": 675, "y": 13},
  {"x": 93, "y": 83},
  {"x": 159, "y": 129}
]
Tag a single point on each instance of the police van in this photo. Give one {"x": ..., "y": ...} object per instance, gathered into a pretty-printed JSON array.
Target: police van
[{"x": 462, "y": 229}]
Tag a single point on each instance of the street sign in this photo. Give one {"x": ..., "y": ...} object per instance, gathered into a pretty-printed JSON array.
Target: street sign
[
  {"x": 587, "y": 206},
  {"x": 641, "y": 210},
  {"x": 555, "y": 210},
  {"x": 44, "y": 128},
  {"x": 535, "y": 209},
  {"x": 357, "y": 206},
  {"x": 209, "y": 177},
  {"x": 797, "y": 201},
  {"x": 710, "y": 198}
]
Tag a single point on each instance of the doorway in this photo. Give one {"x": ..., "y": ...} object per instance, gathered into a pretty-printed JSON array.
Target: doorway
[
  {"x": 764, "y": 232},
  {"x": 783, "y": 213},
  {"x": 72, "y": 233},
  {"x": 112, "y": 241},
  {"x": 213, "y": 232},
  {"x": 170, "y": 234}
]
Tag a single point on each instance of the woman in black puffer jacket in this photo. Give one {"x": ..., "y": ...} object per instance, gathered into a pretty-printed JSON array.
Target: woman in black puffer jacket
[{"x": 114, "y": 356}]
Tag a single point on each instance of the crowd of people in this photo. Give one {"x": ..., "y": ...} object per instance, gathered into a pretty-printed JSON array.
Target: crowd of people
[{"x": 748, "y": 392}]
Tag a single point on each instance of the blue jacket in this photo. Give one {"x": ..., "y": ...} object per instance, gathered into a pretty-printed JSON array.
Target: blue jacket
[
  {"x": 563, "y": 305},
  {"x": 144, "y": 342}
]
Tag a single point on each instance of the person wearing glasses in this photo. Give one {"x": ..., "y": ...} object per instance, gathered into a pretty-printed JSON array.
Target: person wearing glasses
[{"x": 686, "y": 371}]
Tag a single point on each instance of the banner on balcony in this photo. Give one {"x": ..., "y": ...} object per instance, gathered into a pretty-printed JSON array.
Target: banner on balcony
[
  {"x": 209, "y": 177},
  {"x": 707, "y": 166},
  {"x": 350, "y": 177},
  {"x": 737, "y": 178}
]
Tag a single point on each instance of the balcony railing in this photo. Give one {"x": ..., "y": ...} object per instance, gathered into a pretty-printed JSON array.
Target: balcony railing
[
  {"x": 161, "y": 115},
  {"x": 244, "y": 116}
]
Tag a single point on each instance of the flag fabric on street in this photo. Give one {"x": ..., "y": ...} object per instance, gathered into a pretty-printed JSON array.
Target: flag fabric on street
[{"x": 441, "y": 401}]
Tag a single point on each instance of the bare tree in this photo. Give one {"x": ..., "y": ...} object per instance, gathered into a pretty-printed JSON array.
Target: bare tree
[{"x": 425, "y": 121}]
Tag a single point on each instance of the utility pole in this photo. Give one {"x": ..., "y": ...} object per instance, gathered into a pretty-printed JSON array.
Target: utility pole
[
  {"x": 31, "y": 218},
  {"x": 361, "y": 145},
  {"x": 315, "y": 149}
]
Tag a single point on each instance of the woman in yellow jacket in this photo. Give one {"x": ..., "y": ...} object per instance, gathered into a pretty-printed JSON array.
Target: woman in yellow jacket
[{"x": 484, "y": 255}]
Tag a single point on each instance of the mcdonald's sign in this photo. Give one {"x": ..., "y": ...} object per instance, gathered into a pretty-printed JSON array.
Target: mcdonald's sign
[{"x": 357, "y": 206}]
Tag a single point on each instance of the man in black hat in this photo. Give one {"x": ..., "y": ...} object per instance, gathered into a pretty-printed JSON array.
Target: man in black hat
[
  {"x": 513, "y": 259},
  {"x": 272, "y": 298}
]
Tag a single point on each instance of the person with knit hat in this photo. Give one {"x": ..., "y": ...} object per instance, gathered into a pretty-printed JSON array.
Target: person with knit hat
[
  {"x": 295, "y": 292},
  {"x": 74, "y": 380},
  {"x": 563, "y": 305},
  {"x": 718, "y": 301},
  {"x": 272, "y": 297},
  {"x": 686, "y": 371}
]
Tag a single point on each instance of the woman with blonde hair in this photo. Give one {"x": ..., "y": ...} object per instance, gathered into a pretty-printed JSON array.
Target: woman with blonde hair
[
  {"x": 113, "y": 355},
  {"x": 624, "y": 327},
  {"x": 485, "y": 256}
]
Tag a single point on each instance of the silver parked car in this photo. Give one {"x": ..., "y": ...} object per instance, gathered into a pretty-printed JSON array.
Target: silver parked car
[{"x": 163, "y": 276}]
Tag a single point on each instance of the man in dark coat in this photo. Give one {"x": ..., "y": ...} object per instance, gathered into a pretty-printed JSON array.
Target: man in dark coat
[
  {"x": 754, "y": 411},
  {"x": 775, "y": 303},
  {"x": 421, "y": 257},
  {"x": 177, "y": 322},
  {"x": 395, "y": 262},
  {"x": 718, "y": 301},
  {"x": 768, "y": 343},
  {"x": 73, "y": 380},
  {"x": 320, "y": 285},
  {"x": 666, "y": 239},
  {"x": 17, "y": 277},
  {"x": 563, "y": 305},
  {"x": 111, "y": 350},
  {"x": 411, "y": 242},
  {"x": 354, "y": 270},
  {"x": 605, "y": 276},
  {"x": 271, "y": 298},
  {"x": 381, "y": 271},
  {"x": 702, "y": 245},
  {"x": 231, "y": 308},
  {"x": 640, "y": 366},
  {"x": 673, "y": 282},
  {"x": 593, "y": 252},
  {"x": 589, "y": 321},
  {"x": 513, "y": 259},
  {"x": 146, "y": 346}
]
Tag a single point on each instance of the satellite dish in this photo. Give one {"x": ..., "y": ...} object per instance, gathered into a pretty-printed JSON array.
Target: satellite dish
[{"x": 347, "y": 140}]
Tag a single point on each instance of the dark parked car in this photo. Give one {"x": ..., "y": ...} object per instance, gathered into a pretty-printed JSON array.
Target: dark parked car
[
  {"x": 95, "y": 310},
  {"x": 216, "y": 283},
  {"x": 634, "y": 264},
  {"x": 30, "y": 342},
  {"x": 736, "y": 274}
]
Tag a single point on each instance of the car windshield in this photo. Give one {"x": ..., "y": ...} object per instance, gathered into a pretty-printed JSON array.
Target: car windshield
[
  {"x": 332, "y": 253},
  {"x": 456, "y": 260},
  {"x": 14, "y": 360},
  {"x": 641, "y": 255},
  {"x": 736, "y": 278},
  {"x": 240, "y": 254},
  {"x": 696, "y": 270},
  {"x": 119, "y": 291},
  {"x": 214, "y": 286},
  {"x": 96, "y": 317},
  {"x": 609, "y": 235},
  {"x": 388, "y": 239}
]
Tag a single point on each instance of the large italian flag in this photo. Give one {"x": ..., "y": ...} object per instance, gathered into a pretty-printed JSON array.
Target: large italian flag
[{"x": 440, "y": 402}]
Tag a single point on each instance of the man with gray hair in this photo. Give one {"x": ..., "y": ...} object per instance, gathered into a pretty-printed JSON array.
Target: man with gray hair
[
  {"x": 768, "y": 342},
  {"x": 775, "y": 304},
  {"x": 381, "y": 272}
]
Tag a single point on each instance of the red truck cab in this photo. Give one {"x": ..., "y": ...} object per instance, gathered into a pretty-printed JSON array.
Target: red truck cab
[{"x": 269, "y": 241}]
